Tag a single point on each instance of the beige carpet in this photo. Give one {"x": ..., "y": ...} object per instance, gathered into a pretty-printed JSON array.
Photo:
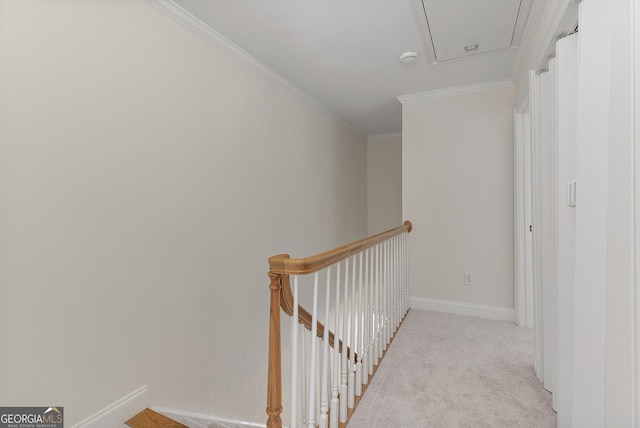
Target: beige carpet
[{"x": 446, "y": 370}]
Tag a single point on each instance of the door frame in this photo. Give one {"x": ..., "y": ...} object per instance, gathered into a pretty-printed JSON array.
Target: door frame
[{"x": 523, "y": 240}]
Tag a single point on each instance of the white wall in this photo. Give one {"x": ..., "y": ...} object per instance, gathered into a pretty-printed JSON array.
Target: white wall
[
  {"x": 384, "y": 183},
  {"x": 457, "y": 162},
  {"x": 145, "y": 177}
]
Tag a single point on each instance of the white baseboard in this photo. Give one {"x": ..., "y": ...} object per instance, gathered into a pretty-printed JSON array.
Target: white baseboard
[
  {"x": 199, "y": 420},
  {"x": 116, "y": 413},
  {"x": 498, "y": 313}
]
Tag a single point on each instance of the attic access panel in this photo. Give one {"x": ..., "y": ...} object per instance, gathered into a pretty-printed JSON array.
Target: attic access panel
[{"x": 460, "y": 28}]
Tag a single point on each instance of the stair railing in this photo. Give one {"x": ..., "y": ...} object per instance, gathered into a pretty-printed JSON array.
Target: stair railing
[{"x": 354, "y": 317}]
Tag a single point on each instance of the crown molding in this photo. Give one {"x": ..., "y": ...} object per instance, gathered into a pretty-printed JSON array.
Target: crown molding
[
  {"x": 198, "y": 27},
  {"x": 456, "y": 90}
]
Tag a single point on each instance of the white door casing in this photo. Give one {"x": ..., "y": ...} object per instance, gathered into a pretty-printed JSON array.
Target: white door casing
[{"x": 523, "y": 222}]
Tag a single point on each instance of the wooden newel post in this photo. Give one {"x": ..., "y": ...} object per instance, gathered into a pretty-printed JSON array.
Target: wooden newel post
[{"x": 274, "y": 384}]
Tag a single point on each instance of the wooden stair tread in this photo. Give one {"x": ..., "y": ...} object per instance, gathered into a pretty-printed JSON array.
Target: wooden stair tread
[{"x": 151, "y": 419}]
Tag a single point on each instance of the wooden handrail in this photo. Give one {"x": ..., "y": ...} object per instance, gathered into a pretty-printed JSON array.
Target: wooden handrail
[
  {"x": 284, "y": 265},
  {"x": 281, "y": 266}
]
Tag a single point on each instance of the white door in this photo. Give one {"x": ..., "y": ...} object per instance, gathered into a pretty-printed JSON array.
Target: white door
[
  {"x": 567, "y": 77},
  {"x": 550, "y": 234},
  {"x": 536, "y": 253},
  {"x": 589, "y": 311},
  {"x": 544, "y": 224},
  {"x": 554, "y": 240}
]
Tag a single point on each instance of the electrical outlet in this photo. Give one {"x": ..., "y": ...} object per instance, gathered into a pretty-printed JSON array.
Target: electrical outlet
[{"x": 468, "y": 279}]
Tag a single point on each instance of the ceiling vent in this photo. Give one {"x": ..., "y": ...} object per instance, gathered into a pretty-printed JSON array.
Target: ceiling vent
[{"x": 461, "y": 28}]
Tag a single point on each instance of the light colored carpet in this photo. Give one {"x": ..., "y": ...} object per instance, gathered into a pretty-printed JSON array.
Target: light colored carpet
[{"x": 447, "y": 371}]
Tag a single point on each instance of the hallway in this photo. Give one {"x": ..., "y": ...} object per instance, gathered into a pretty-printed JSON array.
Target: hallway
[{"x": 447, "y": 370}]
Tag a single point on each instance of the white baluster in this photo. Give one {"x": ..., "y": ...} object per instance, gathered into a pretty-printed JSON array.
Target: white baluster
[
  {"x": 381, "y": 285},
  {"x": 387, "y": 305},
  {"x": 303, "y": 386},
  {"x": 389, "y": 266},
  {"x": 314, "y": 355},
  {"x": 389, "y": 329},
  {"x": 324, "y": 396},
  {"x": 380, "y": 304},
  {"x": 370, "y": 312},
  {"x": 376, "y": 308},
  {"x": 394, "y": 283},
  {"x": 384, "y": 291},
  {"x": 352, "y": 340},
  {"x": 400, "y": 304},
  {"x": 318, "y": 379},
  {"x": 401, "y": 269},
  {"x": 379, "y": 300},
  {"x": 359, "y": 330},
  {"x": 401, "y": 277},
  {"x": 406, "y": 274},
  {"x": 400, "y": 288},
  {"x": 396, "y": 288},
  {"x": 366, "y": 355},
  {"x": 294, "y": 356},
  {"x": 345, "y": 344},
  {"x": 335, "y": 402}
]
